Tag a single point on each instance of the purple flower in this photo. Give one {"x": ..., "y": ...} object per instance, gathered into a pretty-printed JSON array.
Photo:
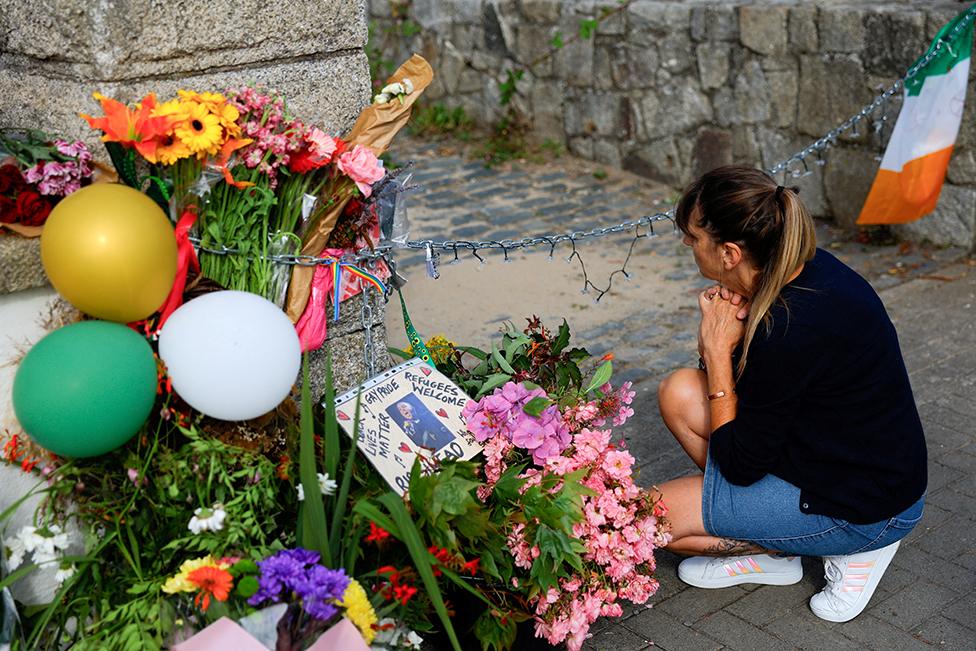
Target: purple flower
[
  {"x": 529, "y": 434},
  {"x": 296, "y": 573}
]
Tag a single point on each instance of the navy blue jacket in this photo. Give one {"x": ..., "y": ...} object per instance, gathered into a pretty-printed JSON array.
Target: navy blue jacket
[{"x": 825, "y": 402}]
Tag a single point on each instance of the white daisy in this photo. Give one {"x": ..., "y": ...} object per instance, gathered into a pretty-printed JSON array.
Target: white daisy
[
  {"x": 205, "y": 519},
  {"x": 64, "y": 573},
  {"x": 43, "y": 543},
  {"x": 326, "y": 485},
  {"x": 15, "y": 551}
]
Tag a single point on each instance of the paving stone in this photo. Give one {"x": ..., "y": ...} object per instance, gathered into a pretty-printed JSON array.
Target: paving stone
[
  {"x": 961, "y": 611},
  {"x": 667, "y": 632},
  {"x": 909, "y": 607},
  {"x": 944, "y": 444},
  {"x": 738, "y": 634},
  {"x": 945, "y": 633},
  {"x": 945, "y": 573},
  {"x": 941, "y": 475},
  {"x": 879, "y": 635},
  {"x": 768, "y": 602},
  {"x": 617, "y": 637},
  {"x": 694, "y": 604},
  {"x": 801, "y": 629}
]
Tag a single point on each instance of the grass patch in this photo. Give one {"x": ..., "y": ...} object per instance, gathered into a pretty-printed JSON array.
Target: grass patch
[{"x": 439, "y": 120}]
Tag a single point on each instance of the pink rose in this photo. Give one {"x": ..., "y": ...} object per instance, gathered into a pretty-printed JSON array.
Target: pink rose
[{"x": 362, "y": 167}]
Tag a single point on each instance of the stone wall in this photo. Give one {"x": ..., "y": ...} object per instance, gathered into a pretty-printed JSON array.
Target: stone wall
[
  {"x": 672, "y": 89},
  {"x": 54, "y": 54}
]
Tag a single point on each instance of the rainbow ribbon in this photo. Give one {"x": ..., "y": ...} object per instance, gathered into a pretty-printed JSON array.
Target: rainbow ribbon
[{"x": 337, "y": 269}]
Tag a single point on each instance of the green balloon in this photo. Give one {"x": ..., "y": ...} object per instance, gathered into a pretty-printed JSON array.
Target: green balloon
[{"x": 85, "y": 389}]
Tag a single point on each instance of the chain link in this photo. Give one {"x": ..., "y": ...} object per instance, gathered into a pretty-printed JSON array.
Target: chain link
[{"x": 366, "y": 316}]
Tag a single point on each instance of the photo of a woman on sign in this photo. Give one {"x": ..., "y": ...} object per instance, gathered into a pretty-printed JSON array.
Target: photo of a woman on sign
[{"x": 419, "y": 423}]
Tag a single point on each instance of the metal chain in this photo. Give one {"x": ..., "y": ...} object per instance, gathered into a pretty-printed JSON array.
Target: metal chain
[
  {"x": 366, "y": 317},
  {"x": 795, "y": 166}
]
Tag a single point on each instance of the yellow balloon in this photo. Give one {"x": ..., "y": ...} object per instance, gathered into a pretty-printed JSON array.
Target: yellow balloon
[{"x": 110, "y": 251}]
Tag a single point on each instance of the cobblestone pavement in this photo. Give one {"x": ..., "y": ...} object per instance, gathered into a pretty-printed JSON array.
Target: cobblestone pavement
[{"x": 927, "y": 597}]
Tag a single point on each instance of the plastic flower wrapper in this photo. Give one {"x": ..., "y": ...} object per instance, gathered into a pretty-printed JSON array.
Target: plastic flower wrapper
[{"x": 375, "y": 129}]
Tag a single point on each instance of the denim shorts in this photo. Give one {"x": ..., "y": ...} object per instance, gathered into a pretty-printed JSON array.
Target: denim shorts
[{"x": 768, "y": 513}]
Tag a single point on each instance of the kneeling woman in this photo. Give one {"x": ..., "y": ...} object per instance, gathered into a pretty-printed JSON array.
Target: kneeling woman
[{"x": 802, "y": 417}]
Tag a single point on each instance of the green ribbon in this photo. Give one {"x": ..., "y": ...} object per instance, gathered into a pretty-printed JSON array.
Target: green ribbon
[{"x": 416, "y": 343}]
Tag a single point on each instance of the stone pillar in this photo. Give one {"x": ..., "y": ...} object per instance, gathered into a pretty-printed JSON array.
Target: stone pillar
[{"x": 54, "y": 54}]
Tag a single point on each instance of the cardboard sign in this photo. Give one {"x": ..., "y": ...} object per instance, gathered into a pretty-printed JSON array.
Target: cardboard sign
[{"x": 410, "y": 411}]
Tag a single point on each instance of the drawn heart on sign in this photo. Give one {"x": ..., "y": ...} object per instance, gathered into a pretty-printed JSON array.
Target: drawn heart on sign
[
  {"x": 442, "y": 412},
  {"x": 404, "y": 447},
  {"x": 342, "y": 415},
  {"x": 425, "y": 370}
]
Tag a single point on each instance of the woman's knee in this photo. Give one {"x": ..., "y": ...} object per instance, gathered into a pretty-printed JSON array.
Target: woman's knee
[{"x": 680, "y": 392}]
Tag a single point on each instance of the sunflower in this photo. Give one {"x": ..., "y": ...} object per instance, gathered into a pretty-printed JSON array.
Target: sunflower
[{"x": 201, "y": 131}]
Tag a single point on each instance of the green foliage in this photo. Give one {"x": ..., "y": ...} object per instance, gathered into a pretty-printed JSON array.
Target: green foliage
[
  {"x": 314, "y": 533},
  {"x": 495, "y": 632},
  {"x": 380, "y": 67},
  {"x": 507, "y": 141},
  {"x": 553, "y": 147},
  {"x": 508, "y": 87},
  {"x": 137, "y": 534},
  {"x": 587, "y": 27},
  {"x": 557, "y": 40},
  {"x": 535, "y": 355},
  {"x": 408, "y": 28},
  {"x": 437, "y": 119},
  {"x": 423, "y": 560},
  {"x": 600, "y": 174}
]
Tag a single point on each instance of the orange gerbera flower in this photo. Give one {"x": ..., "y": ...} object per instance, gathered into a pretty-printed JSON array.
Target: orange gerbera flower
[
  {"x": 131, "y": 127},
  {"x": 212, "y": 581}
]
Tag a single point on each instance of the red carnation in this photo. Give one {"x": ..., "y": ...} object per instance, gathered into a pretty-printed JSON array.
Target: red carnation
[
  {"x": 32, "y": 208},
  {"x": 305, "y": 161},
  {"x": 11, "y": 180}
]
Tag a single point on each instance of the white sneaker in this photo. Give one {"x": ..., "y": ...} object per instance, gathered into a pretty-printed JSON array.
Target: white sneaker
[
  {"x": 851, "y": 581},
  {"x": 725, "y": 571}
]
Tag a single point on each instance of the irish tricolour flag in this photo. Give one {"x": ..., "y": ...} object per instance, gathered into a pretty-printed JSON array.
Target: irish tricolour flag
[{"x": 915, "y": 163}]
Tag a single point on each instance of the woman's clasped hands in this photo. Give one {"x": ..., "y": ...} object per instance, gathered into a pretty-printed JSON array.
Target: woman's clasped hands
[{"x": 723, "y": 321}]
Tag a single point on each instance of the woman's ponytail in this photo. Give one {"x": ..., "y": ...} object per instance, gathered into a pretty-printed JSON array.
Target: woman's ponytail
[{"x": 796, "y": 244}]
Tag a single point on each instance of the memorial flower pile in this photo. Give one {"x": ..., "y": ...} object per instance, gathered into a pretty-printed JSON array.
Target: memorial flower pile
[{"x": 240, "y": 509}]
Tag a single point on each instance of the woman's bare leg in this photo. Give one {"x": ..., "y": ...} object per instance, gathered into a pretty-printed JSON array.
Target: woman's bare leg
[{"x": 683, "y": 401}]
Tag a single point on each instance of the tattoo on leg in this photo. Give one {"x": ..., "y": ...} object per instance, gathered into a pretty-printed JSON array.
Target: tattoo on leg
[{"x": 729, "y": 547}]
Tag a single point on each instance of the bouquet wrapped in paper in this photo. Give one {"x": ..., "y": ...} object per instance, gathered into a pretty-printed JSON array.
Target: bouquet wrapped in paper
[{"x": 374, "y": 130}]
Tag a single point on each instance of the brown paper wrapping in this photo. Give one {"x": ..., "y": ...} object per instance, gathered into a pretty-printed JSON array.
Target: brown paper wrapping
[{"x": 376, "y": 127}]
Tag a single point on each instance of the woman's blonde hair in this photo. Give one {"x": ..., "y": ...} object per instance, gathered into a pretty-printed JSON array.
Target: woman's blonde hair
[{"x": 769, "y": 222}]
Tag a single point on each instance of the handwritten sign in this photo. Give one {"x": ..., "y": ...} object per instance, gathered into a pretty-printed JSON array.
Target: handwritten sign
[{"x": 410, "y": 411}]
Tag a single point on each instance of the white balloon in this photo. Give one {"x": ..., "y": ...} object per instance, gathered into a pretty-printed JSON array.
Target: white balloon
[{"x": 231, "y": 355}]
